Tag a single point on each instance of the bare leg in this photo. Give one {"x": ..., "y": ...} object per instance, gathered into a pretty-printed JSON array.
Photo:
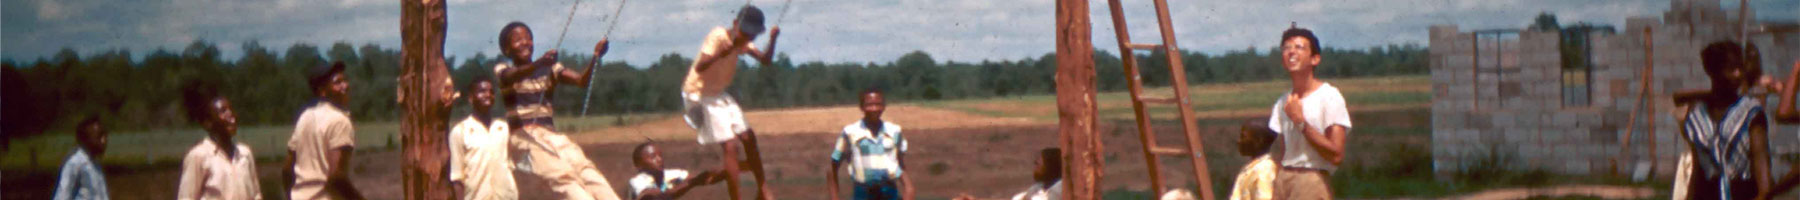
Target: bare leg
[
  {"x": 729, "y": 158},
  {"x": 755, "y": 164}
]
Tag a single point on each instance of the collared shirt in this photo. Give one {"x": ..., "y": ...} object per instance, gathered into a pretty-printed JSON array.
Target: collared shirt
[
  {"x": 1256, "y": 181},
  {"x": 643, "y": 181},
  {"x": 875, "y": 156},
  {"x": 208, "y": 173},
  {"x": 1039, "y": 191},
  {"x": 321, "y": 130},
  {"x": 1323, "y": 107},
  {"x": 80, "y": 179},
  {"x": 529, "y": 101},
  {"x": 478, "y": 159},
  {"x": 717, "y": 76}
]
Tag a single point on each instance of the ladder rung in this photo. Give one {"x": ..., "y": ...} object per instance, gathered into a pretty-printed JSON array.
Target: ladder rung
[
  {"x": 1168, "y": 151},
  {"x": 1144, "y": 47},
  {"x": 1159, "y": 100}
]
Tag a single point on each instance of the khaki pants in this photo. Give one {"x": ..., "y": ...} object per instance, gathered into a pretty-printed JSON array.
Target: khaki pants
[
  {"x": 554, "y": 158},
  {"x": 1302, "y": 184}
]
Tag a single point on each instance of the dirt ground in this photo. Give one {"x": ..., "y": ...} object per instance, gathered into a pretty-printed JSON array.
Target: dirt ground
[{"x": 951, "y": 153}]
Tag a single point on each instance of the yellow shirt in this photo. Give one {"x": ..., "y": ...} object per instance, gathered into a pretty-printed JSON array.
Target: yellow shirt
[
  {"x": 1256, "y": 181},
  {"x": 208, "y": 173},
  {"x": 321, "y": 129},
  {"x": 718, "y": 75},
  {"x": 478, "y": 159}
]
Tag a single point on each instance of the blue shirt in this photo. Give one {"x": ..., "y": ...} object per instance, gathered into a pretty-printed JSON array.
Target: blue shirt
[{"x": 80, "y": 179}]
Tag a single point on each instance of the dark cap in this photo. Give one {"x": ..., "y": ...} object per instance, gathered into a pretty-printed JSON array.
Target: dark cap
[
  {"x": 750, "y": 20},
  {"x": 319, "y": 74}
]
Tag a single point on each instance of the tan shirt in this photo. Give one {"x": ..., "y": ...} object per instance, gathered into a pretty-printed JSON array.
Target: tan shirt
[
  {"x": 478, "y": 160},
  {"x": 321, "y": 129},
  {"x": 208, "y": 173},
  {"x": 1256, "y": 181},
  {"x": 718, "y": 76}
]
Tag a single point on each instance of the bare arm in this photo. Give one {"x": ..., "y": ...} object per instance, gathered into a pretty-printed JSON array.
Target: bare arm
[
  {"x": 340, "y": 175},
  {"x": 513, "y": 74},
  {"x": 287, "y": 173},
  {"x": 581, "y": 79},
  {"x": 1784, "y": 111},
  {"x": 769, "y": 56},
  {"x": 906, "y": 187},
  {"x": 1759, "y": 152},
  {"x": 831, "y": 178},
  {"x": 1330, "y": 144}
]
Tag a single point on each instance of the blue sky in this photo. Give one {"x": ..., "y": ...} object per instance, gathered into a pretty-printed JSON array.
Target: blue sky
[{"x": 823, "y": 30}]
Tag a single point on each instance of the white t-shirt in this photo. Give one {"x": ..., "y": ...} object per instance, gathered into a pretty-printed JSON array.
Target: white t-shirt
[
  {"x": 642, "y": 181},
  {"x": 478, "y": 159},
  {"x": 1324, "y": 107},
  {"x": 321, "y": 130},
  {"x": 1040, "y": 191}
]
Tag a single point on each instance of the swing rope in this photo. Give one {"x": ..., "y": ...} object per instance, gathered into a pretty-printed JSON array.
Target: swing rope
[{"x": 588, "y": 97}]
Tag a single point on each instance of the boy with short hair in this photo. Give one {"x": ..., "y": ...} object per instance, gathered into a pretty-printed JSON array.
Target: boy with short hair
[
  {"x": 1311, "y": 119},
  {"x": 81, "y": 177},
  {"x": 529, "y": 91},
  {"x": 653, "y": 182},
  {"x": 715, "y": 114},
  {"x": 320, "y": 149},
  {"x": 1048, "y": 176},
  {"x": 1257, "y": 180},
  {"x": 876, "y": 152},
  {"x": 218, "y": 167},
  {"x": 479, "y": 166}
]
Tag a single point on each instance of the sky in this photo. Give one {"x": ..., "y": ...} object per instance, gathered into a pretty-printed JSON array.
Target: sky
[{"x": 813, "y": 30}]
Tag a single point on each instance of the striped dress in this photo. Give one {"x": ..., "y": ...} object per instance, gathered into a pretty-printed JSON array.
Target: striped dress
[{"x": 1722, "y": 145}]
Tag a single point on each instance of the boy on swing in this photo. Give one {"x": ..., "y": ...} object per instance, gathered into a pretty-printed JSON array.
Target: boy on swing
[
  {"x": 529, "y": 87},
  {"x": 715, "y": 115}
]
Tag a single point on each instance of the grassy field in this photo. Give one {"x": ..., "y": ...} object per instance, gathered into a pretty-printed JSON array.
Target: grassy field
[{"x": 1212, "y": 100}]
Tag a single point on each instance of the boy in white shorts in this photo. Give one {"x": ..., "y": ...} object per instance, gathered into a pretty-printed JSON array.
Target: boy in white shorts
[{"x": 714, "y": 114}]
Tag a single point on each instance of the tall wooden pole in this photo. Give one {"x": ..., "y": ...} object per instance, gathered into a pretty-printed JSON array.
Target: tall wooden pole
[
  {"x": 423, "y": 98},
  {"x": 1075, "y": 103}
]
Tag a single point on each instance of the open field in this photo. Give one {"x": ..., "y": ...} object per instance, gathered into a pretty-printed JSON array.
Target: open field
[{"x": 980, "y": 147}]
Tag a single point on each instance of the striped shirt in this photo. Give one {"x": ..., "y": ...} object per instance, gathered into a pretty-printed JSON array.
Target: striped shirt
[
  {"x": 529, "y": 101},
  {"x": 874, "y": 155}
]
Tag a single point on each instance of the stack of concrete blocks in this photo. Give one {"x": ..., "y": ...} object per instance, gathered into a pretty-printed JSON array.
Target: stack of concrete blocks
[{"x": 1501, "y": 98}]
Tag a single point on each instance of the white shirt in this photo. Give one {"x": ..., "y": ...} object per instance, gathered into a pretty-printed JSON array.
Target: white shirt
[
  {"x": 873, "y": 156},
  {"x": 478, "y": 159},
  {"x": 321, "y": 129},
  {"x": 1323, "y": 107},
  {"x": 643, "y": 181},
  {"x": 1040, "y": 191},
  {"x": 208, "y": 173},
  {"x": 80, "y": 179}
]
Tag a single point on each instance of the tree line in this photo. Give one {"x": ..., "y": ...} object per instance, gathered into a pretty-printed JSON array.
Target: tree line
[{"x": 268, "y": 87}]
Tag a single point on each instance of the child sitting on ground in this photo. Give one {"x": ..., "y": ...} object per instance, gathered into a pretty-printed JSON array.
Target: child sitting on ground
[{"x": 655, "y": 182}]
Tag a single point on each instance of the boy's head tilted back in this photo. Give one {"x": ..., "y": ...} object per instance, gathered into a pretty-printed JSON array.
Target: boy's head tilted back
[
  {"x": 1299, "y": 50},
  {"x": 1050, "y": 165},
  {"x": 1254, "y": 138},
  {"x": 749, "y": 21},
  {"x": 515, "y": 41},
  {"x": 91, "y": 136},
  {"x": 327, "y": 81},
  {"x": 213, "y": 112},
  {"x": 1722, "y": 61},
  {"x": 647, "y": 158}
]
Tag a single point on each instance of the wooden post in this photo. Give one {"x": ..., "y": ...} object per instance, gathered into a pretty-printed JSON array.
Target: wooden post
[
  {"x": 1075, "y": 102},
  {"x": 423, "y": 120}
]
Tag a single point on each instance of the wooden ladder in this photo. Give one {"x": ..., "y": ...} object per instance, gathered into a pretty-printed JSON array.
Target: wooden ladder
[{"x": 1139, "y": 102}]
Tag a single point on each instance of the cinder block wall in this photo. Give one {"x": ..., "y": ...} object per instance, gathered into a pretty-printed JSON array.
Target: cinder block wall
[{"x": 1500, "y": 103}]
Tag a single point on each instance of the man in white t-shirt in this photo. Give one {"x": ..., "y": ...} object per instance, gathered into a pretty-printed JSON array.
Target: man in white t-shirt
[
  {"x": 480, "y": 167},
  {"x": 1312, "y": 121}
]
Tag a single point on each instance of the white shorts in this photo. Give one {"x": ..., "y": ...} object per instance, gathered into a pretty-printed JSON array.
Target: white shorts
[{"x": 717, "y": 118}]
